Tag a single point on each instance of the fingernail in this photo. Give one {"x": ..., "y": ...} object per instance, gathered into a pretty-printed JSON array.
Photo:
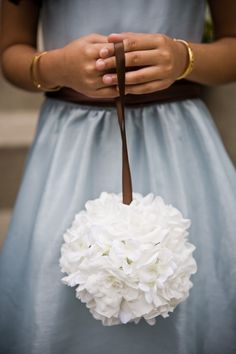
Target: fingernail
[
  {"x": 107, "y": 79},
  {"x": 104, "y": 52},
  {"x": 100, "y": 63}
]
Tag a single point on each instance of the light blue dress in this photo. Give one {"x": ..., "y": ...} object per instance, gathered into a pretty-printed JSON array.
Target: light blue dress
[{"x": 175, "y": 151}]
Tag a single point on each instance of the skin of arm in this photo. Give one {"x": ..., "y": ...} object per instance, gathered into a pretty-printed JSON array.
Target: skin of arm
[
  {"x": 162, "y": 60},
  {"x": 18, "y": 42},
  {"x": 72, "y": 66}
]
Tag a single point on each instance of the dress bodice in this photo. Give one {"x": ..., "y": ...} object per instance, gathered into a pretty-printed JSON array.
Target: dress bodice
[{"x": 64, "y": 21}]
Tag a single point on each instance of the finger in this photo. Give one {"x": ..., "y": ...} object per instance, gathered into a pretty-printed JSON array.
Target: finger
[
  {"x": 143, "y": 75},
  {"x": 104, "y": 50},
  {"x": 98, "y": 83},
  {"x": 107, "y": 51},
  {"x": 137, "y": 76},
  {"x": 117, "y": 37},
  {"x": 93, "y": 49},
  {"x": 132, "y": 59},
  {"x": 148, "y": 87},
  {"x": 96, "y": 38},
  {"x": 138, "y": 41},
  {"x": 132, "y": 42}
]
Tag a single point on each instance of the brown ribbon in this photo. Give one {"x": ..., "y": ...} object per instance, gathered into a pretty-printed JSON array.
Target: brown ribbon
[
  {"x": 180, "y": 90},
  {"x": 120, "y": 108}
]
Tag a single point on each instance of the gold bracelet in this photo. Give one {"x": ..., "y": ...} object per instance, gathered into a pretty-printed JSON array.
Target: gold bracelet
[
  {"x": 34, "y": 74},
  {"x": 191, "y": 59}
]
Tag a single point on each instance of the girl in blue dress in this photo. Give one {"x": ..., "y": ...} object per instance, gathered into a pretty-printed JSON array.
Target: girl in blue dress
[{"x": 175, "y": 151}]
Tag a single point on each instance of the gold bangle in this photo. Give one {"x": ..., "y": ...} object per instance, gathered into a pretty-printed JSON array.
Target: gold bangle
[
  {"x": 35, "y": 76},
  {"x": 191, "y": 59}
]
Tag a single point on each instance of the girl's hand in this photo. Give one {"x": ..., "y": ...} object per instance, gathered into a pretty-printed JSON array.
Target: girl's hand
[
  {"x": 161, "y": 61},
  {"x": 78, "y": 67}
]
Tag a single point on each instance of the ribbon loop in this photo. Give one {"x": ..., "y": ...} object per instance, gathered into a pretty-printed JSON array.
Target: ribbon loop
[{"x": 120, "y": 108}]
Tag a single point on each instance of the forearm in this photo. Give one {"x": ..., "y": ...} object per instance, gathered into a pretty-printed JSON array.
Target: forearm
[
  {"x": 16, "y": 62},
  {"x": 215, "y": 63}
]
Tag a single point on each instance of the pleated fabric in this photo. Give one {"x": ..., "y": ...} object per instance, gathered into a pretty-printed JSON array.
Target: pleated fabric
[{"x": 175, "y": 152}]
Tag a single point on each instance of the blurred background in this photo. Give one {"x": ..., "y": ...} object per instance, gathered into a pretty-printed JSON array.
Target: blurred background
[{"x": 18, "y": 119}]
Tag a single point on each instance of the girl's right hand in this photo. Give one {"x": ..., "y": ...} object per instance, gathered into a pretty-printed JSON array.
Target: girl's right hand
[{"x": 77, "y": 67}]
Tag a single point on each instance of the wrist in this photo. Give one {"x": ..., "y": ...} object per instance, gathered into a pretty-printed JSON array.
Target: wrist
[
  {"x": 186, "y": 56},
  {"x": 50, "y": 69}
]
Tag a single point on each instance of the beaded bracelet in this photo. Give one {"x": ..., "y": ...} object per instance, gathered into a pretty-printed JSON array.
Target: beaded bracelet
[
  {"x": 191, "y": 59},
  {"x": 35, "y": 76}
]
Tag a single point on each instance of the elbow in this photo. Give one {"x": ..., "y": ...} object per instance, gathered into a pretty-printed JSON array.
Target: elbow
[
  {"x": 5, "y": 73},
  {"x": 3, "y": 64}
]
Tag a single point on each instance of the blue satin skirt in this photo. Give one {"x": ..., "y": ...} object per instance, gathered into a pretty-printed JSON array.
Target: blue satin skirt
[{"x": 176, "y": 152}]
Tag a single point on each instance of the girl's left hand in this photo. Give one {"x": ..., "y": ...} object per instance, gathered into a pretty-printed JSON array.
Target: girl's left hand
[{"x": 160, "y": 58}]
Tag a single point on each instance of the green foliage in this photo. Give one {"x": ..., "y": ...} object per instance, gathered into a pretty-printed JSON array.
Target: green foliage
[{"x": 208, "y": 34}]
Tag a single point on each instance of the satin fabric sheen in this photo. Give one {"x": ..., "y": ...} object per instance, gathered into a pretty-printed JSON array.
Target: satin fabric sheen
[{"x": 175, "y": 151}]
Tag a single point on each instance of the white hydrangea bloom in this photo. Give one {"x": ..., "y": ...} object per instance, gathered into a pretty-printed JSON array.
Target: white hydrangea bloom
[{"x": 128, "y": 261}]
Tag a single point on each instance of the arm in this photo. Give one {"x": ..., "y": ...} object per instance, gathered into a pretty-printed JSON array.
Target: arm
[
  {"x": 216, "y": 61},
  {"x": 18, "y": 41},
  {"x": 163, "y": 59},
  {"x": 72, "y": 66}
]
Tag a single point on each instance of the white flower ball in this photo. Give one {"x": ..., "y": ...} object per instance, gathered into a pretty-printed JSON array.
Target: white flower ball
[{"x": 128, "y": 261}]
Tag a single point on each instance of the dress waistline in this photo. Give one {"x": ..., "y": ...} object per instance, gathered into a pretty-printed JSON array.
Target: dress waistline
[{"x": 179, "y": 90}]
